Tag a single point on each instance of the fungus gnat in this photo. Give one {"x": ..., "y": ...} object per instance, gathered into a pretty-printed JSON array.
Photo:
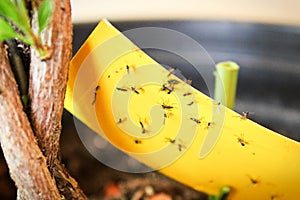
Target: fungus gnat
[
  {"x": 191, "y": 103},
  {"x": 245, "y": 115},
  {"x": 121, "y": 120},
  {"x": 128, "y": 69},
  {"x": 172, "y": 141},
  {"x": 195, "y": 120},
  {"x": 167, "y": 107},
  {"x": 165, "y": 117},
  {"x": 218, "y": 103},
  {"x": 242, "y": 141},
  {"x": 122, "y": 89},
  {"x": 167, "y": 89},
  {"x": 180, "y": 147},
  {"x": 189, "y": 81},
  {"x": 254, "y": 181},
  {"x": 95, "y": 94},
  {"x": 187, "y": 94},
  {"x": 143, "y": 127},
  {"x": 209, "y": 124},
  {"x": 171, "y": 71},
  {"x": 134, "y": 90},
  {"x": 137, "y": 141}
]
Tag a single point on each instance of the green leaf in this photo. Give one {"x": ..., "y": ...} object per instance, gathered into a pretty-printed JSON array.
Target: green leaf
[
  {"x": 6, "y": 31},
  {"x": 23, "y": 22},
  {"x": 9, "y": 10},
  {"x": 44, "y": 14},
  {"x": 16, "y": 13}
]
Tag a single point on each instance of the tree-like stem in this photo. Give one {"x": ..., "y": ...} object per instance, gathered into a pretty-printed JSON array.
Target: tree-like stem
[
  {"x": 30, "y": 142},
  {"x": 27, "y": 165},
  {"x": 47, "y": 86}
]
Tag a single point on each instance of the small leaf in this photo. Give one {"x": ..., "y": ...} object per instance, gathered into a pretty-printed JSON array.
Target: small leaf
[
  {"x": 44, "y": 14},
  {"x": 10, "y": 10},
  {"x": 24, "y": 21},
  {"x": 6, "y": 31}
]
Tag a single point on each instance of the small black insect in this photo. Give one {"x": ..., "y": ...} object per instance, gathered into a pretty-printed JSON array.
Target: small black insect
[
  {"x": 180, "y": 147},
  {"x": 95, "y": 94},
  {"x": 134, "y": 90},
  {"x": 171, "y": 71},
  {"x": 128, "y": 69},
  {"x": 209, "y": 124},
  {"x": 143, "y": 128},
  {"x": 195, "y": 120},
  {"x": 167, "y": 88},
  {"x": 187, "y": 94},
  {"x": 254, "y": 181},
  {"x": 172, "y": 141},
  {"x": 120, "y": 120},
  {"x": 166, "y": 107},
  {"x": 242, "y": 141},
  {"x": 218, "y": 103},
  {"x": 245, "y": 115},
  {"x": 189, "y": 81},
  {"x": 165, "y": 117},
  {"x": 122, "y": 89},
  {"x": 137, "y": 141},
  {"x": 191, "y": 103},
  {"x": 142, "y": 125}
]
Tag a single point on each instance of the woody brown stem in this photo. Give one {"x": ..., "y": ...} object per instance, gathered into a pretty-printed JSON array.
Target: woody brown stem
[
  {"x": 47, "y": 86},
  {"x": 27, "y": 165}
]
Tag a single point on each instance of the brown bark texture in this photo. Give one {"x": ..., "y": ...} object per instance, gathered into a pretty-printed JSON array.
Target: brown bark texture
[
  {"x": 26, "y": 163},
  {"x": 48, "y": 79},
  {"x": 31, "y": 147},
  {"x": 47, "y": 86}
]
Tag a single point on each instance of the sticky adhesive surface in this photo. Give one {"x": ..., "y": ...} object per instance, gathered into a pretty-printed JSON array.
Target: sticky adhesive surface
[{"x": 146, "y": 111}]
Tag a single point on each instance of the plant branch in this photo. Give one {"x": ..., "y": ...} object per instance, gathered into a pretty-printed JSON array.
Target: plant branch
[
  {"x": 47, "y": 86},
  {"x": 26, "y": 163}
]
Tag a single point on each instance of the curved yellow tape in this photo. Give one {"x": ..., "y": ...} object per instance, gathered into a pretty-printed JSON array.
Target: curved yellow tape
[{"x": 143, "y": 109}]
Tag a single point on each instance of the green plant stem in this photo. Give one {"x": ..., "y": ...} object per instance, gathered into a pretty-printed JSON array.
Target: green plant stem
[{"x": 226, "y": 77}]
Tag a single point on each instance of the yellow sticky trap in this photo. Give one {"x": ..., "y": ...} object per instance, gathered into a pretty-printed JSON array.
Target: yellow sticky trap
[{"x": 146, "y": 111}]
